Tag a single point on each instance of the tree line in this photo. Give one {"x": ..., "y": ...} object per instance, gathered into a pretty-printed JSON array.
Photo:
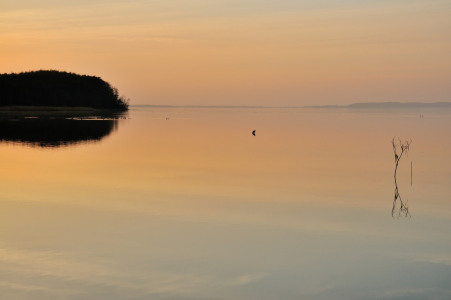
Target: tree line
[{"x": 56, "y": 88}]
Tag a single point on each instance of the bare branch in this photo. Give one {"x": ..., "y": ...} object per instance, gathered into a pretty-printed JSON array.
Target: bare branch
[{"x": 400, "y": 147}]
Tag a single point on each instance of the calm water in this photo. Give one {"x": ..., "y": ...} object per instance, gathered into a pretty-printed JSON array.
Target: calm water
[{"x": 184, "y": 203}]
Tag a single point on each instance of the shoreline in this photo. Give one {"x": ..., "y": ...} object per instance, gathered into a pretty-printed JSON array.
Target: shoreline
[{"x": 23, "y": 108}]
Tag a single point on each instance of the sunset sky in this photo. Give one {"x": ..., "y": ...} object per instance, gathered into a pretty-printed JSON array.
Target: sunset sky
[{"x": 239, "y": 52}]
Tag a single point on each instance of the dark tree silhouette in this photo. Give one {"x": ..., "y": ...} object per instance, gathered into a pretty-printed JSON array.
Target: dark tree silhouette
[
  {"x": 401, "y": 147},
  {"x": 55, "y": 88},
  {"x": 57, "y": 130}
]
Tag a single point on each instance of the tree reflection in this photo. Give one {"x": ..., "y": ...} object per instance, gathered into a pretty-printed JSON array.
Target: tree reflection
[
  {"x": 51, "y": 130},
  {"x": 401, "y": 147}
]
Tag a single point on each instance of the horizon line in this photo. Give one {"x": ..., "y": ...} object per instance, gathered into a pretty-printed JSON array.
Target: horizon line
[{"x": 386, "y": 104}]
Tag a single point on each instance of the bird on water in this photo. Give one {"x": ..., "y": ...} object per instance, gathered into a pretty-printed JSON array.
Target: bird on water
[{"x": 253, "y": 133}]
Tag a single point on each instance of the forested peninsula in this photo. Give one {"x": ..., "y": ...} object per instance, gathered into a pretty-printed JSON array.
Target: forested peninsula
[{"x": 49, "y": 88}]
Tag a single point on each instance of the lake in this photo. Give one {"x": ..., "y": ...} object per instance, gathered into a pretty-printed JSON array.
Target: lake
[{"x": 185, "y": 203}]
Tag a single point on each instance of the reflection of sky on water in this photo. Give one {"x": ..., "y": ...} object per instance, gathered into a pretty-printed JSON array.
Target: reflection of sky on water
[{"x": 195, "y": 207}]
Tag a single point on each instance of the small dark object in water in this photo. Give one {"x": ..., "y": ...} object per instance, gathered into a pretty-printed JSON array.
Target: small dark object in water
[{"x": 253, "y": 133}]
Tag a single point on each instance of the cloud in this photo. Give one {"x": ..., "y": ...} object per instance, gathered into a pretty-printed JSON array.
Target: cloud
[{"x": 246, "y": 279}]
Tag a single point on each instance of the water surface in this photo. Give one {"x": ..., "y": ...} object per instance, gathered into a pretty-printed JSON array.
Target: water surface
[{"x": 185, "y": 203}]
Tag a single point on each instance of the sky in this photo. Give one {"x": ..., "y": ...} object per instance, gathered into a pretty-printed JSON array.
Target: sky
[{"x": 239, "y": 52}]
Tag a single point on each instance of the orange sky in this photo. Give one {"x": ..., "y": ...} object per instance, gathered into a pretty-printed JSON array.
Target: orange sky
[{"x": 249, "y": 52}]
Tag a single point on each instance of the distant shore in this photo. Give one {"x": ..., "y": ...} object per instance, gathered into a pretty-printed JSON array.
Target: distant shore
[
  {"x": 368, "y": 105},
  {"x": 386, "y": 105}
]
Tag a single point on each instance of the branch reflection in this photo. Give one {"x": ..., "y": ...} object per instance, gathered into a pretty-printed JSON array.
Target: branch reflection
[{"x": 401, "y": 147}]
